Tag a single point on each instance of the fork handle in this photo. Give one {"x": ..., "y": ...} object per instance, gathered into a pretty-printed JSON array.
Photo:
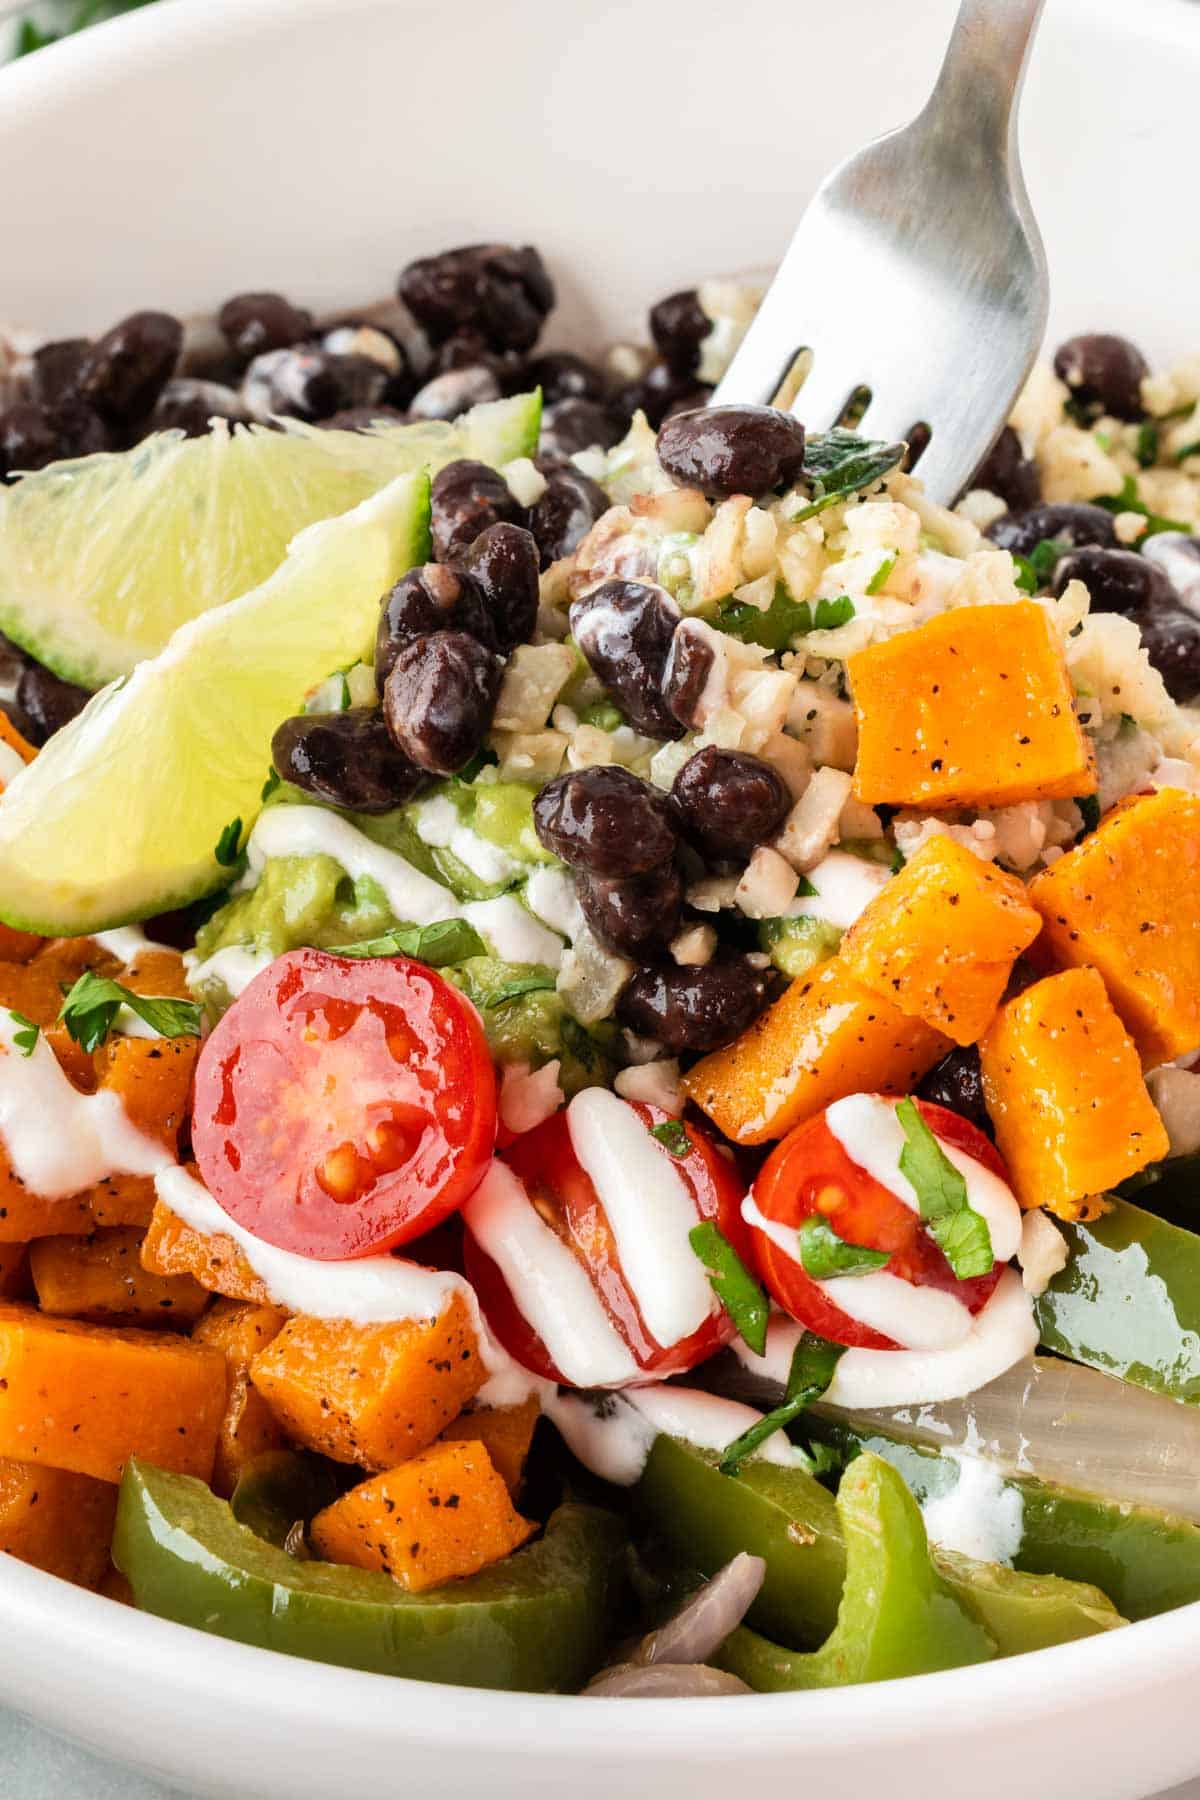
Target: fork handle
[{"x": 975, "y": 98}]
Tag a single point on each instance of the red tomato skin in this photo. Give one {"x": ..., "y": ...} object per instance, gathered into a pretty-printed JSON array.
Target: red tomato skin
[
  {"x": 809, "y": 1161},
  {"x": 546, "y": 1163},
  {"x": 344, "y": 1106}
]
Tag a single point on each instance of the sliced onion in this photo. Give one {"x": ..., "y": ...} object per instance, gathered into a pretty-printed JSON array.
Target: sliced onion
[
  {"x": 664, "y": 1681},
  {"x": 701, "y": 1626}
]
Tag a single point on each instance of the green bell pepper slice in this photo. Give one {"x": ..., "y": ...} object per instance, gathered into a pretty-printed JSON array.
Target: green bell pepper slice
[
  {"x": 280, "y": 1488},
  {"x": 791, "y": 1521},
  {"x": 1128, "y": 1301},
  {"x": 897, "y": 1615},
  {"x": 536, "y": 1621}
]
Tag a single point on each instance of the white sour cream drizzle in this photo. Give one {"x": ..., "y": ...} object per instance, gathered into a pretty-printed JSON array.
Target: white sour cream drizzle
[
  {"x": 649, "y": 1210},
  {"x": 845, "y": 886},
  {"x": 440, "y": 826},
  {"x": 550, "y": 897},
  {"x": 918, "y": 1318},
  {"x": 982, "y": 1515},
  {"x": 613, "y": 1436},
  {"x": 125, "y": 942},
  {"x": 234, "y": 968}
]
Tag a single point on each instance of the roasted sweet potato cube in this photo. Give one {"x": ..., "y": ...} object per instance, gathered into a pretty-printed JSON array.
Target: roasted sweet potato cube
[
  {"x": 88, "y": 1397},
  {"x": 1126, "y": 901},
  {"x": 56, "y": 1520},
  {"x": 441, "y": 1515},
  {"x": 18, "y": 946},
  {"x": 102, "y": 1278},
  {"x": 239, "y": 1331},
  {"x": 825, "y": 1037},
  {"x": 505, "y": 1432},
  {"x": 941, "y": 938},
  {"x": 370, "y": 1394},
  {"x": 119, "y": 1200},
  {"x": 153, "y": 1078},
  {"x": 171, "y": 1247},
  {"x": 249, "y": 1427},
  {"x": 14, "y": 1272},
  {"x": 973, "y": 708},
  {"x": 1064, "y": 1088}
]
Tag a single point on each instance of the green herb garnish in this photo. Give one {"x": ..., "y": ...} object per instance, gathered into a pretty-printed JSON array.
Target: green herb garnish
[
  {"x": 538, "y": 981},
  {"x": 229, "y": 844},
  {"x": 783, "y": 620},
  {"x": 1035, "y": 570},
  {"x": 839, "y": 463},
  {"x": 731, "y": 1281},
  {"x": 32, "y": 37},
  {"x": 274, "y": 780},
  {"x": 94, "y": 1001},
  {"x": 672, "y": 1135},
  {"x": 1127, "y": 501},
  {"x": 813, "y": 1363},
  {"x": 25, "y": 1039},
  {"x": 960, "y": 1233},
  {"x": 824, "y": 1255},
  {"x": 1146, "y": 447},
  {"x": 881, "y": 574},
  {"x": 448, "y": 941}
]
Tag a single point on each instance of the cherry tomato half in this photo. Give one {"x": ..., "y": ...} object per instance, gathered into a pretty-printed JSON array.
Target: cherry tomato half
[
  {"x": 343, "y": 1107},
  {"x": 810, "y": 1172},
  {"x": 563, "y": 1194}
]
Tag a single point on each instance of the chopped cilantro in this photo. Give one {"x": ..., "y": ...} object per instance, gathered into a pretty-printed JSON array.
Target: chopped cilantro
[
  {"x": 1146, "y": 449},
  {"x": 739, "y": 1293},
  {"x": 813, "y": 1363},
  {"x": 229, "y": 844},
  {"x": 672, "y": 1135},
  {"x": 89, "y": 1010},
  {"x": 27, "y": 1036},
  {"x": 273, "y": 781},
  {"x": 824, "y": 1255},
  {"x": 1127, "y": 501},
  {"x": 538, "y": 981},
  {"x": 1035, "y": 570},
  {"x": 446, "y": 942},
  {"x": 956, "y": 1228},
  {"x": 839, "y": 463},
  {"x": 783, "y": 620},
  {"x": 881, "y": 574}
]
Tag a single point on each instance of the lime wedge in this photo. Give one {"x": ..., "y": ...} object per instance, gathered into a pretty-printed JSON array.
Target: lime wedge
[
  {"x": 101, "y": 559},
  {"x": 120, "y": 815}
]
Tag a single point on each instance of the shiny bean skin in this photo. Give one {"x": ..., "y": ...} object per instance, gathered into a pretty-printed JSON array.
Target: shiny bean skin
[
  {"x": 624, "y": 629},
  {"x": 465, "y": 499},
  {"x": 503, "y": 563},
  {"x": 125, "y": 371},
  {"x": 725, "y": 450},
  {"x": 957, "y": 1084},
  {"x": 500, "y": 292},
  {"x": 1009, "y": 473},
  {"x": 47, "y": 702},
  {"x": 346, "y": 759},
  {"x": 660, "y": 394},
  {"x": 1104, "y": 373},
  {"x": 190, "y": 406},
  {"x": 605, "y": 822},
  {"x": 253, "y": 323},
  {"x": 695, "y": 1008},
  {"x": 1118, "y": 581},
  {"x": 561, "y": 375},
  {"x": 679, "y": 326},
  {"x": 55, "y": 370},
  {"x": 636, "y": 916},
  {"x": 309, "y": 384},
  {"x": 430, "y": 598},
  {"x": 454, "y": 392},
  {"x": 567, "y": 510},
  {"x": 1071, "y": 522},
  {"x": 439, "y": 699},
  {"x": 1178, "y": 556},
  {"x": 1171, "y": 639},
  {"x": 569, "y": 426},
  {"x": 729, "y": 802},
  {"x": 689, "y": 665}
]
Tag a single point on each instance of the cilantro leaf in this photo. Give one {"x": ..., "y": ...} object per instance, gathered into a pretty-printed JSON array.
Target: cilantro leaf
[
  {"x": 672, "y": 1135},
  {"x": 228, "y": 847},
  {"x": 448, "y": 941},
  {"x": 27, "y": 1036},
  {"x": 881, "y": 574},
  {"x": 824, "y": 1255},
  {"x": 89, "y": 1010},
  {"x": 274, "y": 780},
  {"x": 813, "y": 1362},
  {"x": 839, "y": 463},
  {"x": 956, "y": 1228},
  {"x": 783, "y": 620},
  {"x": 1127, "y": 501},
  {"x": 1146, "y": 449},
  {"x": 731, "y": 1281},
  {"x": 538, "y": 981},
  {"x": 1035, "y": 570}
]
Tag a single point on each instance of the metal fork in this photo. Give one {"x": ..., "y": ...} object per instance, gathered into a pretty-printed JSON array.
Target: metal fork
[{"x": 917, "y": 277}]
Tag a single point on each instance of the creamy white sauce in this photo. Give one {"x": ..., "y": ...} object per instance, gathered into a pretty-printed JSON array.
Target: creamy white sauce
[
  {"x": 550, "y": 897},
  {"x": 845, "y": 886},
  {"x": 440, "y": 826},
  {"x": 58, "y": 1140},
  {"x": 551, "y": 1287},
  {"x": 612, "y": 1434},
  {"x": 11, "y": 763},
  {"x": 125, "y": 942},
  {"x": 866, "y": 1127},
  {"x": 234, "y": 968},
  {"x": 918, "y": 1318},
  {"x": 649, "y": 1209},
  {"x": 982, "y": 1515},
  {"x": 513, "y": 934},
  {"x": 708, "y": 1421}
]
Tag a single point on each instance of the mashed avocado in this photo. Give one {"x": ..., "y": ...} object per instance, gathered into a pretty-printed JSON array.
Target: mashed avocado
[{"x": 797, "y": 945}]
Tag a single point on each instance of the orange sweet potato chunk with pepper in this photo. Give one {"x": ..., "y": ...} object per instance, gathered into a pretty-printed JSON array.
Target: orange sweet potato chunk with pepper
[
  {"x": 441, "y": 1515},
  {"x": 171, "y": 1247},
  {"x": 370, "y": 1394},
  {"x": 118, "y": 1200},
  {"x": 102, "y": 1278},
  {"x": 941, "y": 938},
  {"x": 506, "y": 1432},
  {"x": 88, "y": 1397},
  {"x": 1064, "y": 1088},
  {"x": 973, "y": 708},
  {"x": 825, "y": 1037},
  {"x": 56, "y": 1520},
  {"x": 249, "y": 1427},
  {"x": 1126, "y": 901},
  {"x": 153, "y": 1079}
]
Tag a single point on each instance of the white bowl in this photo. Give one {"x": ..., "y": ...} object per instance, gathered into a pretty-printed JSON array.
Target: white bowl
[{"x": 314, "y": 145}]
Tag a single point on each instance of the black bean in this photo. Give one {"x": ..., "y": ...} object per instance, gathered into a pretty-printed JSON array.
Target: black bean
[
  {"x": 729, "y": 802},
  {"x": 361, "y": 418},
  {"x": 688, "y": 667},
  {"x": 726, "y": 450},
  {"x": 1070, "y": 522},
  {"x": 1119, "y": 581},
  {"x": 636, "y": 916},
  {"x": 496, "y": 290},
  {"x": 346, "y": 759},
  {"x": 660, "y": 394},
  {"x": 465, "y": 499},
  {"x": 567, "y": 510},
  {"x": 190, "y": 406},
  {"x": 563, "y": 376},
  {"x": 28, "y": 438},
  {"x": 696, "y": 1007},
  {"x": 1008, "y": 472},
  {"x": 679, "y": 325},
  {"x": 1178, "y": 556},
  {"x": 503, "y": 561},
  {"x": 431, "y": 598},
  {"x": 1171, "y": 639},
  {"x": 957, "y": 1083},
  {"x": 439, "y": 699},
  {"x": 310, "y": 384},
  {"x": 625, "y": 629},
  {"x": 467, "y": 350},
  {"x": 573, "y": 425},
  {"x": 605, "y": 822},
  {"x": 450, "y": 395},
  {"x": 125, "y": 371},
  {"x": 48, "y": 702},
  {"x": 254, "y": 323},
  {"x": 56, "y": 369},
  {"x": 1104, "y": 373}
]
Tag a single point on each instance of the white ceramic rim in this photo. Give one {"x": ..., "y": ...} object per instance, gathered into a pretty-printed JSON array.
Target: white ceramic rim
[{"x": 90, "y": 1630}]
